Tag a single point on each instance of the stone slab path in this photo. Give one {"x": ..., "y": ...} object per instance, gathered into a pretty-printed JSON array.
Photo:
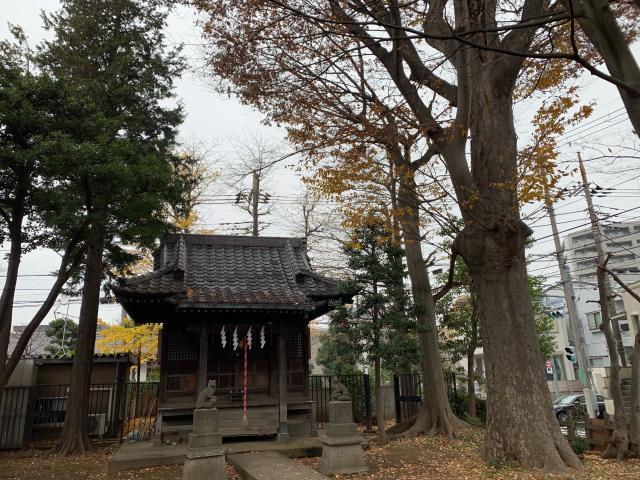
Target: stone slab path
[
  {"x": 143, "y": 454},
  {"x": 271, "y": 466}
]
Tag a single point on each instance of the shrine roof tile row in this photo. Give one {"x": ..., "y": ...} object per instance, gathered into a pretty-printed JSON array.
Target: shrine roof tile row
[{"x": 227, "y": 270}]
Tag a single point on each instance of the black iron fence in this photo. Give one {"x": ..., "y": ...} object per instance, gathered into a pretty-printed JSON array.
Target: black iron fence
[
  {"x": 408, "y": 393},
  {"x": 358, "y": 385},
  {"x": 34, "y": 414}
]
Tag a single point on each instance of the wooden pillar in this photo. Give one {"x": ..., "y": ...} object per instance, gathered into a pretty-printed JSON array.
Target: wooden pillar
[
  {"x": 162, "y": 386},
  {"x": 283, "y": 429},
  {"x": 306, "y": 349},
  {"x": 204, "y": 353},
  {"x": 164, "y": 343}
]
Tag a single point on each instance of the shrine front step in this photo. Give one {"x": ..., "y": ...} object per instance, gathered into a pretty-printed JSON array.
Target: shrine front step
[
  {"x": 271, "y": 466},
  {"x": 131, "y": 456}
]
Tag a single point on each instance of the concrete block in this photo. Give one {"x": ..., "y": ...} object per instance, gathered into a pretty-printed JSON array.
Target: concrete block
[
  {"x": 340, "y": 412},
  {"x": 341, "y": 430},
  {"x": 297, "y": 429},
  {"x": 199, "y": 440},
  {"x": 342, "y": 460},
  {"x": 342, "y": 447},
  {"x": 205, "y": 420},
  {"x": 204, "y": 468},
  {"x": 341, "y": 441}
]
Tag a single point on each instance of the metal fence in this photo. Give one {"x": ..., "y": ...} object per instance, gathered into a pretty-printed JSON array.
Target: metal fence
[
  {"x": 358, "y": 385},
  {"x": 34, "y": 414},
  {"x": 408, "y": 393}
]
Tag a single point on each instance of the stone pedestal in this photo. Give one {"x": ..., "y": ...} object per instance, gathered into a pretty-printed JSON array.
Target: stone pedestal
[
  {"x": 205, "y": 453},
  {"x": 342, "y": 446}
]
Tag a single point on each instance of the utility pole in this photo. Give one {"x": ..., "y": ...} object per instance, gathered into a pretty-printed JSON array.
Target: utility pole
[
  {"x": 556, "y": 389},
  {"x": 604, "y": 284},
  {"x": 572, "y": 310},
  {"x": 255, "y": 199}
]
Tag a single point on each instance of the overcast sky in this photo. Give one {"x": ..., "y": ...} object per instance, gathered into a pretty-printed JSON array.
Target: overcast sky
[{"x": 213, "y": 119}]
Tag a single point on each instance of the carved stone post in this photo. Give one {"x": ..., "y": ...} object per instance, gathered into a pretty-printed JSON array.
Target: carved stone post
[
  {"x": 342, "y": 447},
  {"x": 205, "y": 453}
]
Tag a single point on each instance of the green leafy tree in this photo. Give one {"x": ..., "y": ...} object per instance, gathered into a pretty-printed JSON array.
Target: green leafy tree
[
  {"x": 544, "y": 322},
  {"x": 63, "y": 333},
  {"x": 338, "y": 355},
  {"x": 459, "y": 332},
  {"x": 30, "y": 104},
  {"x": 111, "y": 168},
  {"x": 380, "y": 327}
]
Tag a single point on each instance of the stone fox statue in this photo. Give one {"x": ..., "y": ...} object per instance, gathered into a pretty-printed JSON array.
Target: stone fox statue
[
  {"x": 206, "y": 398},
  {"x": 339, "y": 392}
]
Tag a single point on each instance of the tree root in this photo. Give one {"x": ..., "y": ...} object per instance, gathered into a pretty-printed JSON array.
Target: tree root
[
  {"x": 425, "y": 423},
  {"x": 72, "y": 444},
  {"x": 537, "y": 447},
  {"x": 618, "y": 446}
]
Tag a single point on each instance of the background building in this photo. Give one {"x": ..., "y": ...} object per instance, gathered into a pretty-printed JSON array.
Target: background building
[{"x": 621, "y": 240}]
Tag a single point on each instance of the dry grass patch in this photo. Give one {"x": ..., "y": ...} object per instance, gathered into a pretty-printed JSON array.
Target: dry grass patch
[
  {"x": 40, "y": 465},
  {"x": 435, "y": 458}
]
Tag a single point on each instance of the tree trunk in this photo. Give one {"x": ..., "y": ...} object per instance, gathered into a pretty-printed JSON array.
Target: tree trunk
[
  {"x": 521, "y": 424},
  {"x": 63, "y": 275},
  {"x": 599, "y": 24},
  {"x": 255, "y": 203},
  {"x": 471, "y": 386},
  {"x": 379, "y": 401},
  {"x": 435, "y": 416},
  {"x": 74, "y": 437},
  {"x": 634, "y": 427},
  {"x": 619, "y": 441},
  {"x": 473, "y": 344},
  {"x": 8, "y": 292}
]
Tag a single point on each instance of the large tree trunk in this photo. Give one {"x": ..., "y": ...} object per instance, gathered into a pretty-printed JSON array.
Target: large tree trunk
[
  {"x": 521, "y": 425},
  {"x": 74, "y": 437},
  {"x": 599, "y": 24},
  {"x": 435, "y": 416}
]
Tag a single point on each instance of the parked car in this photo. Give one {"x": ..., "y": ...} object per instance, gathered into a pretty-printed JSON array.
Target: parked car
[{"x": 576, "y": 401}]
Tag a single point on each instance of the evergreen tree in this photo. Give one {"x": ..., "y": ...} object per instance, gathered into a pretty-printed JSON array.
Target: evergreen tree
[
  {"x": 338, "y": 354},
  {"x": 111, "y": 169},
  {"x": 63, "y": 333},
  {"x": 379, "y": 329},
  {"x": 31, "y": 102}
]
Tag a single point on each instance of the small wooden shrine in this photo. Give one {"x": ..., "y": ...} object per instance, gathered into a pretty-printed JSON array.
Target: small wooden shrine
[{"x": 235, "y": 310}]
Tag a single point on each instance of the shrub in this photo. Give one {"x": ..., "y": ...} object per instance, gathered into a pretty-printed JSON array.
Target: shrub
[
  {"x": 459, "y": 405},
  {"x": 579, "y": 445}
]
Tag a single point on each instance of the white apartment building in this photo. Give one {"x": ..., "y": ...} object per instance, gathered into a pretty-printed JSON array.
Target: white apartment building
[
  {"x": 621, "y": 240},
  {"x": 586, "y": 296}
]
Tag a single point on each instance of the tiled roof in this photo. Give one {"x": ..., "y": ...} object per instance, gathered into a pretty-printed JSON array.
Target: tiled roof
[
  {"x": 103, "y": 357},
  {"x": 218, "y": 270},
  {"x": 37, "y": 343}
]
